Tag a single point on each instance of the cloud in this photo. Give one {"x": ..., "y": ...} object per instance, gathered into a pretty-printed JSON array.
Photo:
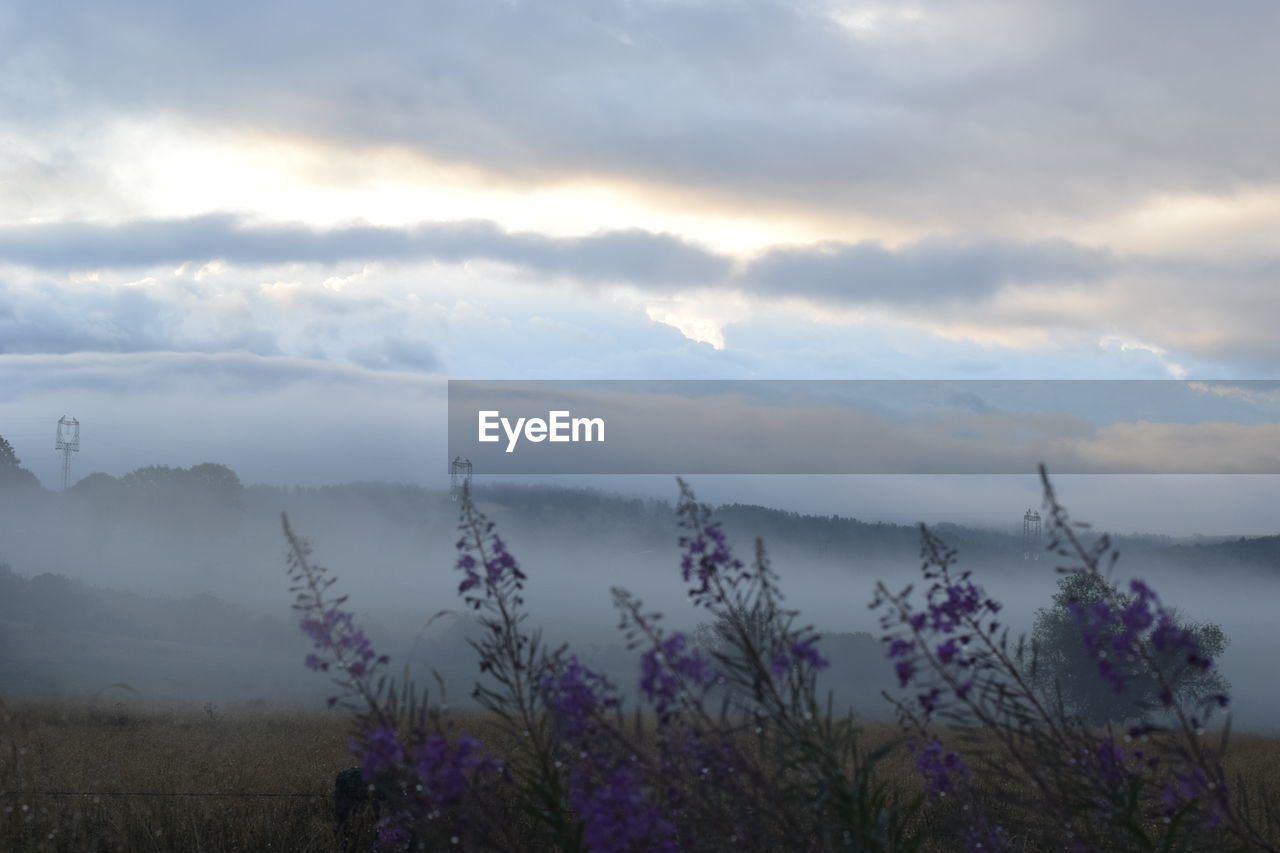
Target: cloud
[
  {"x": 860, "y": 273},
  {"x": 928, "y": 270},
  {"x": 27, "y": 377},
  {"x": 356, "y": 293},
  {"x": 45, "y": 317},
  {"x": 475, "y": 320},
  {"x": 1014, "y": 155},
  {"x": 635, "y": 256},
  {"x": 956, "y": 112}
]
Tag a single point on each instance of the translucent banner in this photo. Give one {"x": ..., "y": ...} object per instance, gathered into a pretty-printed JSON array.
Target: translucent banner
[{"x": 865, "y": 427}]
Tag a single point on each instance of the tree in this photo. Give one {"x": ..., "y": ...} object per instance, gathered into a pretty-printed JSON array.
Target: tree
[
  {"x": 218, "y": 482},
  {"x": 1064, "y": 665},
  {"x": 204, "y": 497},
  {"x": 12, "y": 474},
  {"x": 211, "y": 482},
  {"x": 8, "y": 459},
  {"x": 98, "y": 486}
]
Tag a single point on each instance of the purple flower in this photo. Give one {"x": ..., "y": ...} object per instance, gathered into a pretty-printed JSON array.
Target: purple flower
[
  {"x": 1095, "y": 622},
  {"x": 707, "y": 559},
  {"x": 429, "y": 783},
  {"x": 1108, "y": 759},
  {"x": 1112, "y": 635},
  {"x": 806, "y": 652},
  {"x": 618, "y": 817},
  {"x": 485, "y": 563},
  {"x": 948, "y": 650},
  {"x": 1168, "y": 636},
  {"x": 393, "y": 832},
  {"x": 941, "y": 769},
  {"x": 338, "y": 641},
  {"x": 379, "y": 751},
  {"x": 1191, "y": 787},
  {"x": 906, "y": 670},
  {"x": 446, "y": 772},
  {"x": 575, "y": 695},
  {"x": 663, "y": 668},
  {"x": 950, "y": 605},
  {"x": 899, "y": 647},
  {"x": 801, "y": 653},
  {"x": 929, "y": 700}
]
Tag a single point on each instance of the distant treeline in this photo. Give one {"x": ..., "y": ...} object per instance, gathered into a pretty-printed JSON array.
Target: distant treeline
[
  {"x": 52, "y": 602},
  {"x": 210, "y": 497}
]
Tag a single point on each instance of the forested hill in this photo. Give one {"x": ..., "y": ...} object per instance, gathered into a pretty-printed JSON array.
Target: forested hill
[
  {"x": 587, "y": 512},
  {"x": 209, "y": 498},
  {"x": 1262, "y": 551}
]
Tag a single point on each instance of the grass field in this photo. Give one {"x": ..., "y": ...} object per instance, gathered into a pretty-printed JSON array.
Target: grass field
[
  {"x": 85, "y": 755},
  {"x": 64, "y": 767}
]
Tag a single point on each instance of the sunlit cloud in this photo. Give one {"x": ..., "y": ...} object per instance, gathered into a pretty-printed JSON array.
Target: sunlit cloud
[{"x": 1015, "y": 178}]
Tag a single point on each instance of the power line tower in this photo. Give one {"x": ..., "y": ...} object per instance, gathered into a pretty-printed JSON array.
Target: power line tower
[
  {"x": 1031, "y": 535},
  {"x": 68, "y": 443},
  {"x": 459, "y": 476}
]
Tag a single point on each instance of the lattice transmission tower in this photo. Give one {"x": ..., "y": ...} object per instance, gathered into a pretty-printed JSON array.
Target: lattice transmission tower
[
  {"x": 68, "y": 443},
  {"x": 1031, "y": 535},
  {"x": 459, "y": 476}
]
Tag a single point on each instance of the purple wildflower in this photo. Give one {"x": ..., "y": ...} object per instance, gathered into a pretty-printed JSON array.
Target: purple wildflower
[
  {"x": 1168, "y": 636},
  {"x": 339, "y": 642},
  {"x": 665, "y": 667},
  {"x": 1112, "y": 635},
  {"x": 485, "y": 562},
  {"x": 393, "y": 832},
  {"x": 929, "y": 700},
  {"x": 431, "y": 782},
  {"x": 1108, "y": 759},
  {"x": 707, "y": 556},
  {"x": 941, "y": 769},
  {"x": 618, "y": 817},
  {"x": 899, "y": 647},
  {"x": 1190, "y": 787},
  {"x": 380, "y": 751},
  {"x": 906, "y": 670},
  {"x": 575, "y": 695},
  {"x": 961, "y": 600},
  {"x": 446, "y": 772},
  {"x": 947, "y": 651},
  {"x": 806, "y": 652},
  {"x": 1095, "y": 622},
  {"x": 801, "y": 653}
]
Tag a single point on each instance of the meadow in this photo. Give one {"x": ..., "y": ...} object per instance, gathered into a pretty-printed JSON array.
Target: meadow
[
  {"x": 90, "y": 753},
  {"x": 726, "y": 743},
  {"x": 103, "y": 778}
]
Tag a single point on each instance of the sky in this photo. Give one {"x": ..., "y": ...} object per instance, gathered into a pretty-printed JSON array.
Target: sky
[{"x": 267, "y": 234}]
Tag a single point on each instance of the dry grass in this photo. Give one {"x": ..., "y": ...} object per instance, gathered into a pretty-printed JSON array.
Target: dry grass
[
  {"x": 103, "y": 750},
  {"x": 93, "y": 751}
]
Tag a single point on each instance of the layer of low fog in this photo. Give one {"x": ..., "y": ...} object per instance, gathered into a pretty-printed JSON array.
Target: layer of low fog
[{"x": 172, "y": 584}]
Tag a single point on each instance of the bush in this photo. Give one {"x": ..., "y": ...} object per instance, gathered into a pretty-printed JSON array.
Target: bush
[{"x": 1066, "y": 654}]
